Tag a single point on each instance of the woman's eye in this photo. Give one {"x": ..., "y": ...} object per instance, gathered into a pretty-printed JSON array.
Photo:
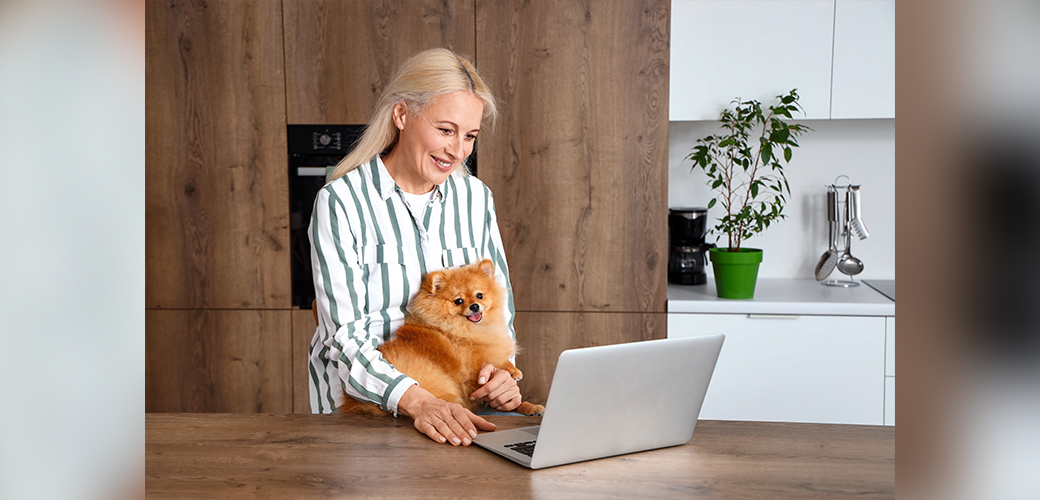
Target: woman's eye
[
  {"x": 480, "y": 296},
  {"x": 446, "y": 131},
  {"x": 471, "y": 137},
  {"x": 458, "y": 302}
]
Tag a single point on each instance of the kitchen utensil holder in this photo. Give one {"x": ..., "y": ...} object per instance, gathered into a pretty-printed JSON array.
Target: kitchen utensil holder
[{"x": 843, "y": 209}]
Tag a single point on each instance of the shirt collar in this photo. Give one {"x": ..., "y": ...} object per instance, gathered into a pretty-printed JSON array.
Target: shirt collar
[{"x": 386, "y": 185}]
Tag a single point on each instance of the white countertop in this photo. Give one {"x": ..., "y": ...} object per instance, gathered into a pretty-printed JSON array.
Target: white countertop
[{"x": 783, "y": 296}]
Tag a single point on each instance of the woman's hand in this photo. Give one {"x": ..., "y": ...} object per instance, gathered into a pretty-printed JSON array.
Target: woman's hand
[
  {"x": 498, "y": 389},
  {"x": 442, "y": 421}
]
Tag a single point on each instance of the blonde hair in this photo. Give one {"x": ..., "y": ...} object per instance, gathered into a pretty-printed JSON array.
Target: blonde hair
[{"x": 418, "y": 81}]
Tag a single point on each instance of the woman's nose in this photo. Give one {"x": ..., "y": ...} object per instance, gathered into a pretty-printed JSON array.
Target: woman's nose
[{"x": 455, "y": 148}]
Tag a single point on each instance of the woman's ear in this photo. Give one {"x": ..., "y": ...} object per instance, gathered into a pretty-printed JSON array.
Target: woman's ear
[{"x": 400, "y": 114}]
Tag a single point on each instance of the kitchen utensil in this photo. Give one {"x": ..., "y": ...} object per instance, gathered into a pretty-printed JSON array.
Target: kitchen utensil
[
  {"x": 829, "y": 259},
  {"x": 848, "y": 264},
  {"x": 844, "y": 218},
  {"x": 856, "y": 221}
]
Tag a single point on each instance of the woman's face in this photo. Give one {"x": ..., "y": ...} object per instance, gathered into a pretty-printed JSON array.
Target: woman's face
[{"x": 434, "y": 143}]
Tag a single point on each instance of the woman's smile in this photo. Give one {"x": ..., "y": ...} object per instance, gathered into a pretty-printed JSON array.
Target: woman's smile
[{"x": 445, "y": 165}]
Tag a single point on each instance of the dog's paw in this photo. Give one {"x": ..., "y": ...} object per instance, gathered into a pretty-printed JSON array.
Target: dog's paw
[{"x": 530, "y": 409}]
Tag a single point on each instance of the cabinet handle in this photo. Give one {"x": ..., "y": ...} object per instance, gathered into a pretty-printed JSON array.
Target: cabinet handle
[{"x": 773, "y": 316}]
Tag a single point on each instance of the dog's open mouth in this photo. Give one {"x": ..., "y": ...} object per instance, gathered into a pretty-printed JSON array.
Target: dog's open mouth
[{"x": 475, "y": 317}]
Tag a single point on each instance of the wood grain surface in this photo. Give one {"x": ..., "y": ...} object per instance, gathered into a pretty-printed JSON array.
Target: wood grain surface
[
  {"x": 216, "y": 189},
  {"x": 320, "y": 456},
  {"x": 542, "y": 336},
  {"x": 218, "y": 361},
  {"x": 340, "y": 54},
  {"x": 303, "y": 327},
  {"x": 578, "y": 162}
]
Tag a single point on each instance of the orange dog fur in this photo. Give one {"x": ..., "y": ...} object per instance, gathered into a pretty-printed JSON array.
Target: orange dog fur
[{"x": 455, "y": 326}]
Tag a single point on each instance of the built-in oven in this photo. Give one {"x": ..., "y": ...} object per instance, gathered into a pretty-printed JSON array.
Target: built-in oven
[{"x": 312, "y": 150}]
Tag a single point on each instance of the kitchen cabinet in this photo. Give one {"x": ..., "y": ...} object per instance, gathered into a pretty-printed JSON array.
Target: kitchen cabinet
[
  {"x": 797, "y": 352},
  {"x": 216, "y": 189},
  {"x": 839, "y": 54},
  {"x": 578, "y": 163},
  {"x": 890, "y": 371},
  {"x": 303, "y": 327},
  {"x": 222, "y": 361},
  {"x": 864, "y": 59},
  {"x": 791, "y": 368},
  {"x": 890, "y": 401},
  {"x": 752, "y": 49},
  {"x": 217, "y": 280},
  {"x": 890, "y": 347}
]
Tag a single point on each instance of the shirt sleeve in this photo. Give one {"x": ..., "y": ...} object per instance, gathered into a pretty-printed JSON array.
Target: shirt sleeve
[
  {"x": 342, "y": 297},
  {"x": 493, "y": 247}
]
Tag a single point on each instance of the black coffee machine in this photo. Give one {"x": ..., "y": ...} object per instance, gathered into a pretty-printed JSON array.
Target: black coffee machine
[{"x": 687, "y": 251}]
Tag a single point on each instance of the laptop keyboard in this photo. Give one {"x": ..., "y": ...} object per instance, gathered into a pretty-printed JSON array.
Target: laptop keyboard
[{"x": 525, "y": 447}]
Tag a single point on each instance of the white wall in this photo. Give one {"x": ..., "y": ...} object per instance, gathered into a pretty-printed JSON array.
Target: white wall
[{"x": 862, "y": 149}]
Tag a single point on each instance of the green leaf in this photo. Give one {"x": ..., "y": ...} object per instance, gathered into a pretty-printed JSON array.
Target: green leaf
[
  {"x": 712, "y": 202},
  {"x": 754, "y": 189},
  {"x": 767, "y": 152},
  {"x": 716, "y": 184},
  {"x": 787, "y": 154}
]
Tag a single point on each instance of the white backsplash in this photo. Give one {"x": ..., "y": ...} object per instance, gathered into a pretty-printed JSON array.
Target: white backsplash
[{"x": 862, "y": 149}]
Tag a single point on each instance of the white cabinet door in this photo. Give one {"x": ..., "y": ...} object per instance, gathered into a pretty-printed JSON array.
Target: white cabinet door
[
  {"x": 752, "y": 49},
  {"x": 864, "y": 59},
  {"x": 890, "y": 401},
  {"x": 890, "y": 347},
  {"x": 826, "y": 369}
]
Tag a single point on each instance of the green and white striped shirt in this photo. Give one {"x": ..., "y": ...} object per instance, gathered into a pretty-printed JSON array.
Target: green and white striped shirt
[{"x": 369, "y": 251}]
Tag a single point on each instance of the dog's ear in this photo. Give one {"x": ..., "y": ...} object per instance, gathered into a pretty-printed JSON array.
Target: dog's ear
[
  {"x": 433, "y": 282},
  {"x": 487, "y": 267}
]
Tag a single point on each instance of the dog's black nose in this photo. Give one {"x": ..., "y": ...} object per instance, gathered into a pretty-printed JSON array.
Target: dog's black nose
[{"x": 474, "y": 307}]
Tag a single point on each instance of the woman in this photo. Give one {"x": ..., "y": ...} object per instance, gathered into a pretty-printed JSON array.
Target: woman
[{"x": 400, "y": 205}]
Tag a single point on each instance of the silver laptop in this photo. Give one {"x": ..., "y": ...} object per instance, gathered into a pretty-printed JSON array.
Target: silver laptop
[{"x": 615, "y": 399}]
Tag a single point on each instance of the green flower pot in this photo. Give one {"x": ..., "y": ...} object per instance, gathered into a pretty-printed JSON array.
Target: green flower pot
[{"x": 735, "y": 272}]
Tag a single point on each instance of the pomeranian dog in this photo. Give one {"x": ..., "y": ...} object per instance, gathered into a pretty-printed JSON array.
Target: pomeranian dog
[{"x": 454, "y": 327}]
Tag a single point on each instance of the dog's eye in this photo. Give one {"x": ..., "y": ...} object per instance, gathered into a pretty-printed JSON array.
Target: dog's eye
[
  {"x": 480, "y": 296},
  {"x": 458, "y": 302}
]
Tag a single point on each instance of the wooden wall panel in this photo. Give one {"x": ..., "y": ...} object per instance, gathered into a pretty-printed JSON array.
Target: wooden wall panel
[
  {"x": 303, "y": 327},
  {"x": 542, "y": 336},
  {"x": 216, "y": 205},
  {"x": 579, "y": 160},
  {"x": 218, "y": 361},
  {"x": 339, "y": 54}
]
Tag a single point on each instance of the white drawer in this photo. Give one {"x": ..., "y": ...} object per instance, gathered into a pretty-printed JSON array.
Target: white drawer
[{"x": 827, "y": 369}]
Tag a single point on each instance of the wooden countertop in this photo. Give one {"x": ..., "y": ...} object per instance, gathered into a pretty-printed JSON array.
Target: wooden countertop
[{"x": 302, "y": 456}]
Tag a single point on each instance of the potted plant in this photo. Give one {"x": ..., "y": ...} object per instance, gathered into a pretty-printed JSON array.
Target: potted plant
[{"x": 749, "y": 183}]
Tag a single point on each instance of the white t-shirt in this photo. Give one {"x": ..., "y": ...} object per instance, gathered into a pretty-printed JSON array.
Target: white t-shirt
[{"x": 417, "y": 202}]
